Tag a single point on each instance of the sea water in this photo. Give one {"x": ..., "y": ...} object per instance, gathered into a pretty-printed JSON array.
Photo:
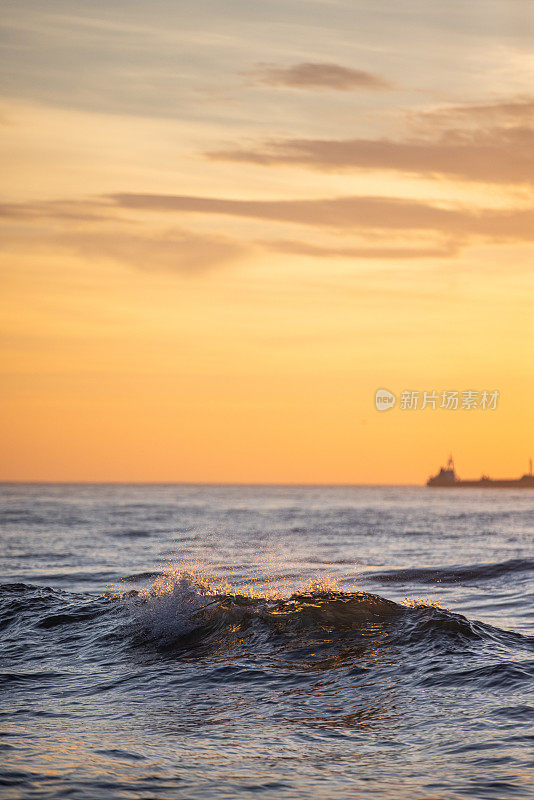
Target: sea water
[{"x": 170, "y": 641}]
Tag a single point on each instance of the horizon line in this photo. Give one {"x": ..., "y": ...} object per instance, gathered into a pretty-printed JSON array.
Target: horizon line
[{"x": 197, "y": 483}]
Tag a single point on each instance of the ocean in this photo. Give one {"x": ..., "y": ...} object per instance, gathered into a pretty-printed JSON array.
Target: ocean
[{"x": 172, "y": 641}]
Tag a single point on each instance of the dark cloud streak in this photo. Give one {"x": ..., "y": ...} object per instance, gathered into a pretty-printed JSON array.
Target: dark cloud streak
[
  {"x": 501, "y": 155},
  {"x": 350, "y": 213},
  {"x": 387, "y": 228},
  {"x": 484, "y": 142},
  {"x": 314, "y": 75},
  {"x": 516, "y": 110}
]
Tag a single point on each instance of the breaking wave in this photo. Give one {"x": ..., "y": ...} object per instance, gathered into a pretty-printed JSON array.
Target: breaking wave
[
  {"x": 269, "y": 637},
  {"x": 183, "y": 609}
]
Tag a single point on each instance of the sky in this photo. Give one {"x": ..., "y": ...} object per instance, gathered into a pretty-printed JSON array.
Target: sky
[{"x": 225, "y": 226}]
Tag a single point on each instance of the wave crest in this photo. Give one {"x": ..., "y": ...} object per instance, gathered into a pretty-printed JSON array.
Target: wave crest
[{"x": 182, "y": 603}]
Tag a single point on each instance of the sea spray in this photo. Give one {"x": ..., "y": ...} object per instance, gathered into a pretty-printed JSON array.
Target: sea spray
[
  {"x": 169, "y": 608},
  {"x": 183, "y": 600}
]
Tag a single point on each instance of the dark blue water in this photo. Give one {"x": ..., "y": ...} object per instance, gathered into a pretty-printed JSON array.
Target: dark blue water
[{"x": 227, "y": 642}]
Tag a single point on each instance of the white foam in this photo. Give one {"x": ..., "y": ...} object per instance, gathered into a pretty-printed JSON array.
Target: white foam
[{"x": 169, "y": 608}]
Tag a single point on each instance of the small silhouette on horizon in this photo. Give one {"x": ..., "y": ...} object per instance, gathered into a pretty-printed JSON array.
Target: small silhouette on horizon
[{"x": 447, "y": 478}]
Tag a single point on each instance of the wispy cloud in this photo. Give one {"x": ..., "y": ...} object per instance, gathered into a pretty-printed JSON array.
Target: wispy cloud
[
  {"x": 176, "y": 250},
  {"x": 490, "y": 143},
  {"x": 299, "y": 248},
  {"x": 57, "y": 210},
  {"x": 316, "y": 75},
  {"x": 501, "y": 155},
  {"x": 515, "y": 110},
  {"x": 351, "y": 213},
  {"x": 384, "y": 228}
]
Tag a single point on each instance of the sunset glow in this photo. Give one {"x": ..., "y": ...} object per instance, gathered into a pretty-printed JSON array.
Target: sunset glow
[{"x": 223, "y": 232}]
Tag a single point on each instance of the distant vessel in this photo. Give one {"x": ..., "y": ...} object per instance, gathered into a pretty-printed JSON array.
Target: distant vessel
[{"x": 447, "y": 478}]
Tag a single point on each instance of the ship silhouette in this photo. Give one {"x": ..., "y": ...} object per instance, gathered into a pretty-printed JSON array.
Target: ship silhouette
[{"x": 446, "y": 478}]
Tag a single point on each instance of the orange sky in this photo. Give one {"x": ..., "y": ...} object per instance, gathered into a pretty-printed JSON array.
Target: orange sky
[{"x": 223, "y": 230}]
